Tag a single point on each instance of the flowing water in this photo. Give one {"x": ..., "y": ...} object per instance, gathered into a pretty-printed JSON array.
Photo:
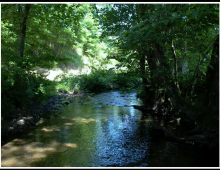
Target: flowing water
[{"x": 97, "y": 131}]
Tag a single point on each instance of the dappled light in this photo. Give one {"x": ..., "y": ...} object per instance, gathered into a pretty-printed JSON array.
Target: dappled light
[
  {"x": 108, "y": 135},
  {"x": 71, "y": 145},
  {"x": 87, "y": 134},
  {"x": 51, "y": 129},
  {"x": 109, "y": 85},
  {"x": 21, "y": 153},
  {"x": 83, "y": 120},
  {"x": 52, "y": 74},
  {"x": 68, "y": 124}
]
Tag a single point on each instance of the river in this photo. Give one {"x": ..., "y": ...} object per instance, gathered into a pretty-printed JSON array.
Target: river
[{"x": 102, "y": 130}]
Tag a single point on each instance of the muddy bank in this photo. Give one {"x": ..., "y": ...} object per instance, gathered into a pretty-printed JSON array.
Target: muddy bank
[{"x": 21, "y": 120}]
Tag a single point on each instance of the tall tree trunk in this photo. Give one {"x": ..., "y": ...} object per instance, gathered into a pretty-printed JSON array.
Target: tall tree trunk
[
  {"x": 152, "y": 92},
  {"x": 141, "y": 8},
  {"x": 210, "y": 102},
  {"x": 212, "y": 77},
  {"x": 206, "y": 112},
  {"x": 149, "y": 92},
  {"x": 142, "y": 68},
  {"x": 23, "y": 22},
  {"x": 175, "y": 66}
]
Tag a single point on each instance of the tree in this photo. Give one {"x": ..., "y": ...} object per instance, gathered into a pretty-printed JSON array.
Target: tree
[
  {"x": 44, "y": 36},
  {"x": 23, "y": 13},
  {"x": 176, "y": 41}
]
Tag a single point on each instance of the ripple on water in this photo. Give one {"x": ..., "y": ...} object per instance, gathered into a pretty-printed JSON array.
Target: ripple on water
[{"x": 103, "y": 130}]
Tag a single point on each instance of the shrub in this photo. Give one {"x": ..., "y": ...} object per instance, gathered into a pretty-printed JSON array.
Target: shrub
[
  {"x": 19, "y": 86},
  {"x": 98, "y": 81}
]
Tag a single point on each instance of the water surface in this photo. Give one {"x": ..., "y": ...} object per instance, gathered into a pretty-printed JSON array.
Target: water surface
[{"x": 97, "y": 131}]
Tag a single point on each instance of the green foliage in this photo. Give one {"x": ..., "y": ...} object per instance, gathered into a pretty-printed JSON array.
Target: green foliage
[
  {"x": 161, "y": 43},
  {"x": 98, "y": 81},
  {"x": 186, "y": 25},
  {"x": 168, "y": 45},
  {"x": 55, "y": 33},
  {"x": 20, "y": 86}
]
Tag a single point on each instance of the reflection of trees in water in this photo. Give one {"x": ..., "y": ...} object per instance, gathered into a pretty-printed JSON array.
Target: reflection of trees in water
[
  {"x": 123, "y": 138},
  {"x": 88, "y": 136}
]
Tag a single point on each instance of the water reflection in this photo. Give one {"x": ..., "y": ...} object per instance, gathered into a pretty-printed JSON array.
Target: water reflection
[{"x": 103, "y": 130}]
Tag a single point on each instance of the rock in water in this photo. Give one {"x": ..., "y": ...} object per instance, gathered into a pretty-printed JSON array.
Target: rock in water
[{"x": 20, "y": 122}]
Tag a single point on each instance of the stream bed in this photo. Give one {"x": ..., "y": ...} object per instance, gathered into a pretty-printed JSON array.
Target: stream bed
[{"x": 102, "y": 130}]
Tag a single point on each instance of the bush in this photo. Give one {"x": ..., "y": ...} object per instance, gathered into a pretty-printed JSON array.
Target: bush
[
  {"x": 98, "y": 81},
  {"x": 20, "y": 86}
]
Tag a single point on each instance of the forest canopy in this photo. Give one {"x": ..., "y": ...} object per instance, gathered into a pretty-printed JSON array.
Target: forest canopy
[{"x": 169, "y": 52}]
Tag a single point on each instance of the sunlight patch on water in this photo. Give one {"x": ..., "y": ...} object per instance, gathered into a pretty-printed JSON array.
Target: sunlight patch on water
[
  {"x": 50, "y": 129},
  {"x": 71, "y": 145},
  {"x": 83, "y": 120},
  {"x": 68, "y": 124},
  {"x": 16, "y": 154},
  {"x": 88, "y": 135}
]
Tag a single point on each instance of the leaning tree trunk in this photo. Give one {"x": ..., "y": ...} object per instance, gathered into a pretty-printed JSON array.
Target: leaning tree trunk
[
  {"x": 205, "y": 112},
  {"x": 23, "y": 22},
  {"x": 210, "y": 103},
  {"x": 154, "y": 79},
  {"x": 149, "y": 86}
]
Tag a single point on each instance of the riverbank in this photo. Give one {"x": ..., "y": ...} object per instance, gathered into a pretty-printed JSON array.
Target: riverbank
[{"x": 21, "y": 120}]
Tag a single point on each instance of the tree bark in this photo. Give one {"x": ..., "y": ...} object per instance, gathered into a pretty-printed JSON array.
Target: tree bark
[
  {"x": 175, "y": 66},
  {"x": 209, "y": 117},
  {"x": 212, "y": 77},
  {"x": 205, "y": 112},
  {"x": 142, "y": 68},
  {"x": 23, "y": 25}
]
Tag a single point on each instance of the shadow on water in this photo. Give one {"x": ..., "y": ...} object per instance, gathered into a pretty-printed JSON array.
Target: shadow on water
[{"x": 99, "y": 131}]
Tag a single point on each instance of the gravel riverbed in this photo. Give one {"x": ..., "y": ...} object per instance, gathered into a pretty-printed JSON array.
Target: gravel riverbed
[{"x": 22, "y": 120}]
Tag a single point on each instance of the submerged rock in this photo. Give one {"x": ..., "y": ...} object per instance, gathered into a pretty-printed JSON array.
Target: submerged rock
[{"x": 21, "y": 122}]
